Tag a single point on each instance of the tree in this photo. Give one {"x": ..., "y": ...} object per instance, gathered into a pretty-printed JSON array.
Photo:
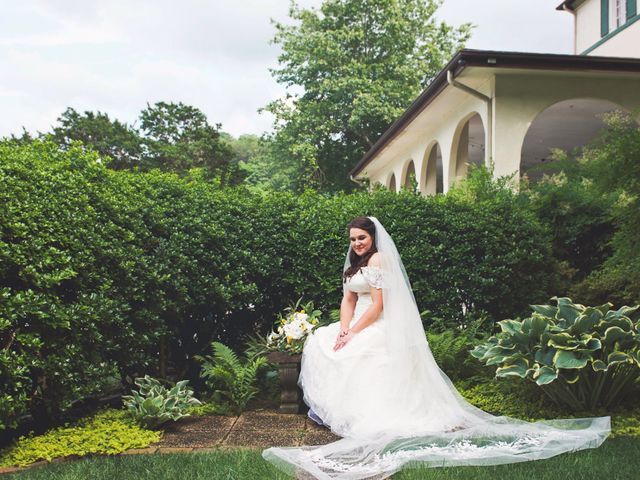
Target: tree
[
  {"x": 172, "y": 137},
  {"x": 359, "y": 64},
  {"x": 179, "y": 137},
  {"x": 612, "y": 163},
  {"x": 110, "y": 138},
  {"x": 259, "y": 162},
  {"x": 589, "y": 200}
]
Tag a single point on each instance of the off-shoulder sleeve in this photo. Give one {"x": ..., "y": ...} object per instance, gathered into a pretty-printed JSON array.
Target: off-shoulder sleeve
[{"x": 374, "y": 276}]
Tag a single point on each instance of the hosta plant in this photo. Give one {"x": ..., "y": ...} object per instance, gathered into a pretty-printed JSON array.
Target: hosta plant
[
  {"x": 154, "y": 404},
  {"x": 232, "y": 380},
  {"x": 582, "y": 357}
]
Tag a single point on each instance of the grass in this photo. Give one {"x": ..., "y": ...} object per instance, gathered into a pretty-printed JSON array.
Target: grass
[{"x": 618, "y": 458}]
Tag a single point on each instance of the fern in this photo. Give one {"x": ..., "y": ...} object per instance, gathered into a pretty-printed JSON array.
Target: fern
[
  {"x": 451, "y": 348},
  {"x": 230, "y": 379},
  {"x": 256, "y": 346}
]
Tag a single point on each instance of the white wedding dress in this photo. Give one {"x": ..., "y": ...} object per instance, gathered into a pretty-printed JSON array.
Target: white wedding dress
[
  {"x": 384, "y": 393},
  {"x": 352, "y": 390}
]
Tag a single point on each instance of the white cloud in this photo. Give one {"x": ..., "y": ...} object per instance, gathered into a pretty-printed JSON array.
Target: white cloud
[
  {"x": 117, "y": 55},
  {"x": 523, "y": 25}
]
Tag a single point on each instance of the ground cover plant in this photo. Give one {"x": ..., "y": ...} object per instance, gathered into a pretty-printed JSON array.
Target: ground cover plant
[{"x": 107, "y": 432}]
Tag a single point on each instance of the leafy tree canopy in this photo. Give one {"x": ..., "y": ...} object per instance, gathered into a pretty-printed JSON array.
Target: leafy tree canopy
[
  {"x": 172, "y": 137},
  {"x": 110, "y": 138},
  {"x": 358, "y": 64},
  {"x": 179, "y": 137}
]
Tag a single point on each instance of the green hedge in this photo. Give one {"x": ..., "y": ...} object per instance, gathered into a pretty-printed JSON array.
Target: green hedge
[
  {"x": 97, "y": 267},
  {"x": 74, "y": 277}
]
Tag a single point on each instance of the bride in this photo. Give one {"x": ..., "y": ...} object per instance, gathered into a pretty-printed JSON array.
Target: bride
[{"x": 371, "y": 378}]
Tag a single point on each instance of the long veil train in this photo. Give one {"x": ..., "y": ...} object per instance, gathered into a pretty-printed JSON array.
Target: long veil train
[{"x": 425, "y": 421}]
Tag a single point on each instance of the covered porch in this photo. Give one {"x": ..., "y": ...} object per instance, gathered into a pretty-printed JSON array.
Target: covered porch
[{"x": 511, "y": 109}]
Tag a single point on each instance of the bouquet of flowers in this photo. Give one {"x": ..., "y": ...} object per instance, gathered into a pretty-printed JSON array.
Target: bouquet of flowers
[{"x": 292, "y": 328}]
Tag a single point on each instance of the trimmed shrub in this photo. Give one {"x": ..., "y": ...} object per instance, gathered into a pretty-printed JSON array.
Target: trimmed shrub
[
  {"x": 109, "y": 274},
  {"x": 75, "y": 294}
]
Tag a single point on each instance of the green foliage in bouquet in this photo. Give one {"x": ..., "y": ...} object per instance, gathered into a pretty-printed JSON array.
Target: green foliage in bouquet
[
  {"x": 155, "y": 405},
  {"x": 583, "y": 357},
  {"x": 233, "y": 381},
  {"x": 293, "y": 327}
]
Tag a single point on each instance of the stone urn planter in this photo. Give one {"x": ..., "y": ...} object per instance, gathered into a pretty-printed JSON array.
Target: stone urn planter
[{"x": 288, "y": 370}]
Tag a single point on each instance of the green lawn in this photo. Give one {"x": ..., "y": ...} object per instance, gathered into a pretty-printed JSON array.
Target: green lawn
[{"x": 618, "y": 458}]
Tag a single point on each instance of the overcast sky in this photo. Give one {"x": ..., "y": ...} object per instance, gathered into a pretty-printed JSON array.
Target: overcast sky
[{"x": 117, "y": 55}]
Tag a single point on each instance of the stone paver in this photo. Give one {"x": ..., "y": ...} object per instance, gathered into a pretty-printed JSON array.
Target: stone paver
[
  {"x": 264, "y": 438},
  {"x": 269, "y": 421},
  {"x": 197, "y": 432},
  {"x": 207, "y": 423},
  {"x": 319, "y": 438},
  {"x": 10, "y": 469},
  {"x": 193, "y": 439}
]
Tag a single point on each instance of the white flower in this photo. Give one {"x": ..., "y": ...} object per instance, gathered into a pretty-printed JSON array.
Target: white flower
[
  {"x": 306, "y": 326},
  {"x": 294, "y": 330},
  {"x": 272, "y": 337}
]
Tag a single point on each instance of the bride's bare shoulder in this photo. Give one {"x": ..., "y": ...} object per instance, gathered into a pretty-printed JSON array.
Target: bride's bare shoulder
[{"x": 374, "y": 260}]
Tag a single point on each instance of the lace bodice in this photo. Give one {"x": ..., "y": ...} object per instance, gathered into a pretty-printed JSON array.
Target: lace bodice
[{"x": 367, "y": 277}]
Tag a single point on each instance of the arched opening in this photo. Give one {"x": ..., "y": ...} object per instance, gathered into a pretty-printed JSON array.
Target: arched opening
[
  {"x": 469, "y": 148},
  {"x": 409, "y": 176},
  {"x": 565, "y": 125},
  {"x": 431, "y": 178},
  {"x": 392, "y": 182}
]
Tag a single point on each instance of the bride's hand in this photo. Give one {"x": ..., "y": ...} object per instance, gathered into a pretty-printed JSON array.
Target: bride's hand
[
  {"x": 341, "y": 334},
  {"x": 343, "y": 339}
]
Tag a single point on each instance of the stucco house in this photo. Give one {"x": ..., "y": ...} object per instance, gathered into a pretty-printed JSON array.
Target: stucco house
[
  {"x": 512, "y": 108},
  {"x": 605, "y": 27}
]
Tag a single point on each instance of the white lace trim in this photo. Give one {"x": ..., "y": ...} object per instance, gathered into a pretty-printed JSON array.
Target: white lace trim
[{"x": 373, "y": 275}]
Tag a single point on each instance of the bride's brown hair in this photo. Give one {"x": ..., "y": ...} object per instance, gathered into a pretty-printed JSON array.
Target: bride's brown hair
[{"x": 357, "y": 261}]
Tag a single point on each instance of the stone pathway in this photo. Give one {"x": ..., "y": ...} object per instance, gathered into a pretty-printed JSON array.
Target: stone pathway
[{"x": 255, "y": 429}]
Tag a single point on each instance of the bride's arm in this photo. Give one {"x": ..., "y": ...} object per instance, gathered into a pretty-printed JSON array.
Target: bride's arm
[
  {"x": 372, "y": 313},
  {"x": 347, "y": 307},
  {"x": 369, "y": 316}
]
